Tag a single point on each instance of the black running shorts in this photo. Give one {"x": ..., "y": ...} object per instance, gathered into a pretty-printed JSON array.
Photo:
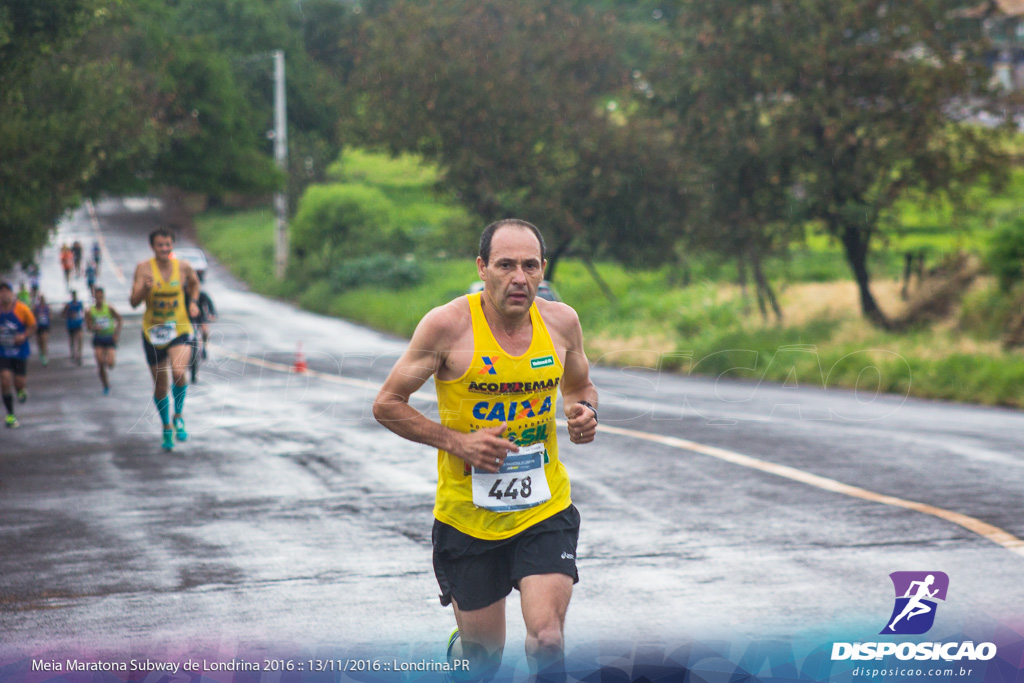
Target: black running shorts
[
  {"x": 479, "y": 573},
  {"x": 158, "y": 354},
  {"x": 16, "y": 366},
  {"x": 101, "y": 341}
]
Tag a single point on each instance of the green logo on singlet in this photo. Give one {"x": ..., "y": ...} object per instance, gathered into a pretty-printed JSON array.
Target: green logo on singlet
[{"x": 542, "y": 362}]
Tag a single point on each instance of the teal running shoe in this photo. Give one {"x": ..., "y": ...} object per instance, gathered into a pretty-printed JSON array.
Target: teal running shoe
[
  {"x": 449, "y": 676},
  {"x": 452, "y": 640},
  {"x": 168, "y": 443},
  {"x": 179, "y": 429}
]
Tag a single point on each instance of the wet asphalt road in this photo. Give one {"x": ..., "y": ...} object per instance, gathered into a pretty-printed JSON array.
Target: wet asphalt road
[{"x": 291, "y": 520}]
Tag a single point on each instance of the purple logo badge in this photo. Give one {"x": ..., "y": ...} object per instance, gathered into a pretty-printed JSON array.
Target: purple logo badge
[{"x": 917, "y": 594}]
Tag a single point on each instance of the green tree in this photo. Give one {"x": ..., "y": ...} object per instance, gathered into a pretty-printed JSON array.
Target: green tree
[
  {"x": 245, "y": 33},
  {"x": 512, "y": 102},
  {"x": 213, "y": 147},
  {"x": 101, "y": 95},
  {"x": 59, "y": 110},
  {"x": 848, "y": 104}
]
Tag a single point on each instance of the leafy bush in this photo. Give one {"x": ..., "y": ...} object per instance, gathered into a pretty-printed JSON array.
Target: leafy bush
[
  {"x": 986, "y": 313},
  {"x": 697, "y": 320},
  {"x": 343, "y": 221},
  {"x": 433, "y": 220},
  {"x": 1005, "y": 256},
  {"x": 379, "y": 271}
]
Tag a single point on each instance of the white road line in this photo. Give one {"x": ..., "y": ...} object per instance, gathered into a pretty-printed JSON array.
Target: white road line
[{"x": 983, "y": 529}]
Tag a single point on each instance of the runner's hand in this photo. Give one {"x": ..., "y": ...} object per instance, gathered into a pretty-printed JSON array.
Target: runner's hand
[
  {"x": 582, "y": 423},
  {"x": 486, "y": 449}
]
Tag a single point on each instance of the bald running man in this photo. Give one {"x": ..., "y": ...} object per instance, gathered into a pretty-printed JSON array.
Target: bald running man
[{"x": 504, "y": 518}]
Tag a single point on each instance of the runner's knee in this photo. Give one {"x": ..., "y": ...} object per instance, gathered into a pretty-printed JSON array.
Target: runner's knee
[{"x": 548, "y": 638}]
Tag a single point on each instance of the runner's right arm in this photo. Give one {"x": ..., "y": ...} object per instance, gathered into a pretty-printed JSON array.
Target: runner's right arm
[
  {"x": 479, "y": 449},
  {"x": 141, "y": 284}
]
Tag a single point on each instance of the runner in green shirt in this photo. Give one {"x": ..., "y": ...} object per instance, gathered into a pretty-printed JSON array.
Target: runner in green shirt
[{"x": 105, "y": 324}]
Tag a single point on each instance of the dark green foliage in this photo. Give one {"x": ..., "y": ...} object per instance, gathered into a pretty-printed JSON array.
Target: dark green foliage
[
  {"x": 109, "y": 96},
  {"x": 56, "y": 111},
  {"x": 1005, "y": 257},
  {"x": 213, "y": 147},
  {"x": 828, "y": 112},
  {"x": 379, "y": 270},
  {"x": 510, "y": 101}
]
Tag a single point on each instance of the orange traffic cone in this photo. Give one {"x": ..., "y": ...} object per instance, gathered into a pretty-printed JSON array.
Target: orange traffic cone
[{"x": 300, "y": 361}]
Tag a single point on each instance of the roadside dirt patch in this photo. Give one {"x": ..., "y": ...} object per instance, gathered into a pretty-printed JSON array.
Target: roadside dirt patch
[{"x": 807, "y": 301}]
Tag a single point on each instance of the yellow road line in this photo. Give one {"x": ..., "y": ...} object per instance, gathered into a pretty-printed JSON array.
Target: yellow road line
[{"x": 983, "y": 529}]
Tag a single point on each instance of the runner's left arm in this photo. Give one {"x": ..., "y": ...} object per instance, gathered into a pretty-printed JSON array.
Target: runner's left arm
[
  {"x": 118, "y": 320},
  {"x": 192, "y": 287},
  {"x": 576, "y": 384},
  {"x": 28, "y": 319}
]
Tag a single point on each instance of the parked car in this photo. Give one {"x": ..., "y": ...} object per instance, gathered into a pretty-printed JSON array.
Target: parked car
[
  {"x": 544, "y": 291},
  {"x": 195, "y": 257}
]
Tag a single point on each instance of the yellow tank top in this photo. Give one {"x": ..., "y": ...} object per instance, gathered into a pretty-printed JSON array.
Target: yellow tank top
[
  {"x": 166, "y": 315},
  {"x": 522, "y": 391}
]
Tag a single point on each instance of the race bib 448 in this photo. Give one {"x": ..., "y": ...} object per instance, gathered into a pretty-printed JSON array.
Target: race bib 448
[{"x": 520, "y": 483}]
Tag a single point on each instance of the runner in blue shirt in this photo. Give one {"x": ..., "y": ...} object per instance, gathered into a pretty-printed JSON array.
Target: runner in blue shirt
[{"x": 17, "y": 325}]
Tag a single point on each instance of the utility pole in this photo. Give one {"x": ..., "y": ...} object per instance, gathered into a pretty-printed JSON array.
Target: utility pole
[{"x": 281, "y": 157}]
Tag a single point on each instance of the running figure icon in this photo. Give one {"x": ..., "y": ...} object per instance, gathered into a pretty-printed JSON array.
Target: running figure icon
[
  {"x": 915, "y": 606},
  {"x": 917, "y": 595}
]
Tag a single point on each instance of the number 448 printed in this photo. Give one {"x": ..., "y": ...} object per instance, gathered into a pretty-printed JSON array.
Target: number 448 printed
[{"x": 515, "y": 488}]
